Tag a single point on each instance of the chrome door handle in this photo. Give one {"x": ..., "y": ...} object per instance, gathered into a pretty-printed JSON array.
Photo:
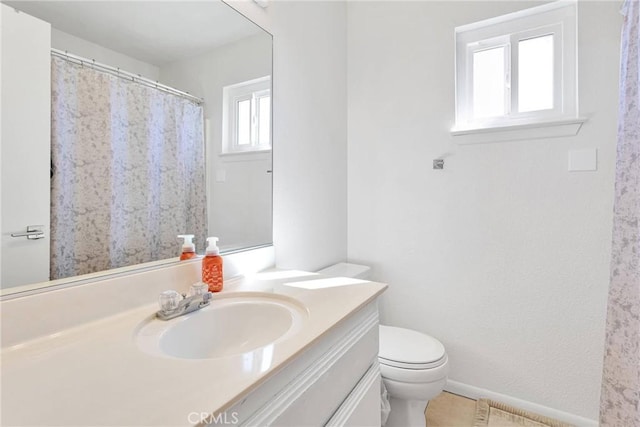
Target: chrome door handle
[{"x": 34, "y": 232}]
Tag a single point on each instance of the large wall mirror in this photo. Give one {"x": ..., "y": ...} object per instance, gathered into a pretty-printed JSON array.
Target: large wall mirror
[{"x": 124, "y": 125}]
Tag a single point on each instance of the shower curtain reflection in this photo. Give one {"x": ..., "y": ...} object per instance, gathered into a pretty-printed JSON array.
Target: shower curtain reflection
[
  {"x": 620, "y": 397},
  {"x": 129, "y": 175}
]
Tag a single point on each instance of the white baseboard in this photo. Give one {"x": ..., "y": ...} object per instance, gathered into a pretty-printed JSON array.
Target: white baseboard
[{"x": 472, "y": 392}]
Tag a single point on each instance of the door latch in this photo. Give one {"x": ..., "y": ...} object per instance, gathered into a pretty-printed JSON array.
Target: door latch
[{"x": 34, "y": 232}]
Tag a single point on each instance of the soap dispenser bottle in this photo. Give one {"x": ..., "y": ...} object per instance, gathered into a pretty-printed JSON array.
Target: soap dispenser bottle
[
  {"x": 212, "y": 266},
  {"x": 188, "y": 248}
]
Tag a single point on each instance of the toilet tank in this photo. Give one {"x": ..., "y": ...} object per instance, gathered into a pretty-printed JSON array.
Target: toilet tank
[{"x": 345, "y": 269}]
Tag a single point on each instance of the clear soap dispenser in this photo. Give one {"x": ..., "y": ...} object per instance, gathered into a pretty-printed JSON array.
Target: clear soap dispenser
[
  {"x": 212, "y": 266},
  {"x": 188, "y": 248}
]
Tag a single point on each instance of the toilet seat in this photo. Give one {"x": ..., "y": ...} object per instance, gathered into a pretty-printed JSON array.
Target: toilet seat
[
  {"x": 423, "y": 376},
  {"x": 414, "y": 366},
  {"x": 409, "y": 349},
  {"x": 410, "y": 356}
]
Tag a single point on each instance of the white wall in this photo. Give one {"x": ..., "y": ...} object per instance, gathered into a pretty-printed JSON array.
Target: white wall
[
  {"x": 503, "y": 255},
  {"x": 81, "y": 47},
  {"x": 310, "y": 126},
  {"x": 239, "y": 209}
]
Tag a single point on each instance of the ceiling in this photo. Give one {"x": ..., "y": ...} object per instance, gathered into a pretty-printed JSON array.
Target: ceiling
[{"x": 157, "y": 32}]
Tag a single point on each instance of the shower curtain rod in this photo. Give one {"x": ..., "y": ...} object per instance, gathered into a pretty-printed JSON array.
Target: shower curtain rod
[{"x": 117, "y": 72}]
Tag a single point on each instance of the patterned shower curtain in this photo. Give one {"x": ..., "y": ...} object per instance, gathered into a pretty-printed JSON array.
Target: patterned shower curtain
[
  {"x": 620, "y": 399},
  {"x": 128, "y": 171}
]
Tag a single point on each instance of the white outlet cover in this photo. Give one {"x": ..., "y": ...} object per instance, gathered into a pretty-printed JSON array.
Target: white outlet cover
[
  {"x": 583, "y": 160},
  {"x": 221, "y": 175}
]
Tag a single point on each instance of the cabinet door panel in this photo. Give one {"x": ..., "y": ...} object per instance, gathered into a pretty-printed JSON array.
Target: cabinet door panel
[{"x": 362, "y": 406}]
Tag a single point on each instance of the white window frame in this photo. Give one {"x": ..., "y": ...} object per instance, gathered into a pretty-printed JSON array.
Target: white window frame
[
  {"x": 251, "y": 90},
  {"x": 557, "y": 18}
]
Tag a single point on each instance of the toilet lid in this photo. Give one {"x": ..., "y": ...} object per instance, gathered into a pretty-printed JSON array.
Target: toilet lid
[{"x": 408, "y": 349}]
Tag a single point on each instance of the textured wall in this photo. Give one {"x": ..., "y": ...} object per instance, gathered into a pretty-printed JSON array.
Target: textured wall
[{"x": 503, "y": 255}]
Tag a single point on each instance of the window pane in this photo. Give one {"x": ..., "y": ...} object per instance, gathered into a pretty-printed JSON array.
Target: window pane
[
  {"x": 535, "y": 74},
  {"x": 489, "y": 84},
  {"x": 244, "y": 122},
  {"x": 265, "y": 119}
]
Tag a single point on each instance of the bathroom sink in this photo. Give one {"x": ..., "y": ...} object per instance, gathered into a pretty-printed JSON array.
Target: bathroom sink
[{"x": 232, "y": 324}]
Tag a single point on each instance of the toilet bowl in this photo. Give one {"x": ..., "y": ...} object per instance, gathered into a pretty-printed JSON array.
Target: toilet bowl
[{"x": 414, "y": 366}]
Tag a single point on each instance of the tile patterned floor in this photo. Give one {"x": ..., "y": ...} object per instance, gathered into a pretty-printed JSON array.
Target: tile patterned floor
[{"x": 450, "y": 410}]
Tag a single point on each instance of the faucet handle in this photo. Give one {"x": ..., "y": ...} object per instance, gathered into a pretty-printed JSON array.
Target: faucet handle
[
  {"x": 169, "y": 301},
  {"x": 199, "y": 289}
]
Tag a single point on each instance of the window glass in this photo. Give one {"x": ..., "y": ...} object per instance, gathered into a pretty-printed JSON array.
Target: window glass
[
  {"x": 535, "y": 74},
  {"x": 489, "y": 82},
  {"x": 264, "y": 120},
  {"x": 244, "y": 122}
]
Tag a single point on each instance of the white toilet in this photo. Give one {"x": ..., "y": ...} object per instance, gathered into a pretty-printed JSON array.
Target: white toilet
[
  {"x": 414, "y": 369},
  {"x": 414, "y": 366}
]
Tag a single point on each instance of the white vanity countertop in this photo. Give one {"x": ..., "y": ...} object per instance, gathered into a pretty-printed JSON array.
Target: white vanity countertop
[{"x": 95, "y": 374}]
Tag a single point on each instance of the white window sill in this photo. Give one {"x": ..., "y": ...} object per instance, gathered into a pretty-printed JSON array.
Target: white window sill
[
  {"x": 241, "y": 156},
  {"x": 547, "y": 129},
  {"x": 245, "y": 153}
]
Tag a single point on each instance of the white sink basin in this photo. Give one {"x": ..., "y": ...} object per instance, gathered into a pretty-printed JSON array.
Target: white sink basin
[{"x": 232, "y": 324}]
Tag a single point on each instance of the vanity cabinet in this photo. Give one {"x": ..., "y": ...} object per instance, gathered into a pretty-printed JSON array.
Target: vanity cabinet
[
  {"x": 323, "y": 371},
  {"x": 335, "y": 382}
]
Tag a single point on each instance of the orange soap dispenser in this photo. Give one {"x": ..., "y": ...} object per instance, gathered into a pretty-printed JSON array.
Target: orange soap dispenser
[
  {"x": 188, "y": 248},
  {"x": 212, "y": 266}
]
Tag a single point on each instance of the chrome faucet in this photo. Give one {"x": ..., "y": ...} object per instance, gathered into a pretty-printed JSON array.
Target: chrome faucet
[{"x": 172, "y": 304}]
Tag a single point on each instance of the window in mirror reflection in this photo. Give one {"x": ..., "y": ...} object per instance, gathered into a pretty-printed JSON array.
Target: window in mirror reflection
[
  {"x": 247, "y": 116},
  {"x": 264, "y": 117},
  {"x": 244, "y": 122}
]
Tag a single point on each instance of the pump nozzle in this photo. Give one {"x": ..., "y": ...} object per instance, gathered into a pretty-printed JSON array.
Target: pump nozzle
[
  {"x": 188, "y": 245},
  {"x": 212, "y": 247}
]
